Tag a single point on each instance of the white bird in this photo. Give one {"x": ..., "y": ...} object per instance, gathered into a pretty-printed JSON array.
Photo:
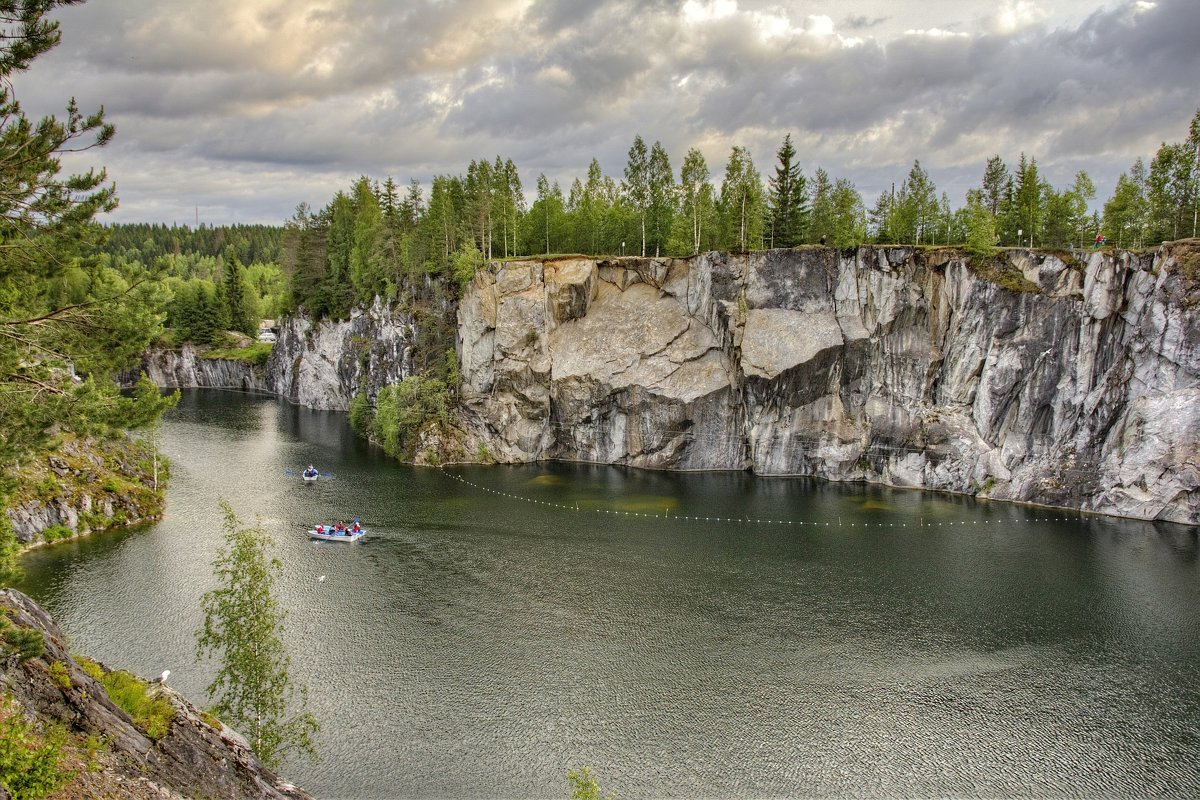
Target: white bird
[
  {"x": 321, "y": 579},
  {"x": 163, "y": 678}
]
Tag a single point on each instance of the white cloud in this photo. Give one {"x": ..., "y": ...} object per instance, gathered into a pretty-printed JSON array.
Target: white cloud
[
  {"x": 696, "y": 11},
  {"x": 1013, "y": 16}
]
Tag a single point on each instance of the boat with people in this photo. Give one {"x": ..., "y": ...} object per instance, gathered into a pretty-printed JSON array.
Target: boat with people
[
  {"x": 310, "y": 474},
  {"x": 339, "y": 532}
]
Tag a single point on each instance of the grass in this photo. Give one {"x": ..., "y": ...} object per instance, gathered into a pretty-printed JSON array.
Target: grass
[
  {"x": 59, "y": 674},
  {"x": 257, "y": 353},
  {"x": 152, "y": 715}
]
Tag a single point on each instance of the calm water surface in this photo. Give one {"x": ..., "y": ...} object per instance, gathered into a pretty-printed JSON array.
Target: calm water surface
[{"x": 478, "y": 645}]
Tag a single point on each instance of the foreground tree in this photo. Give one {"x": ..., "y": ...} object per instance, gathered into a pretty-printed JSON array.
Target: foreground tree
[
  {"x": 584, "y": 785},
  {"x": 243, "y": 623},
  {"x": 67, "y": 325}
]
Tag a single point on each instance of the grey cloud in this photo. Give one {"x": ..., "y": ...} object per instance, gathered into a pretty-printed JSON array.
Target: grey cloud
[
  {"x": 414, "y": 89},
  {"x": 861, "y": 22}
]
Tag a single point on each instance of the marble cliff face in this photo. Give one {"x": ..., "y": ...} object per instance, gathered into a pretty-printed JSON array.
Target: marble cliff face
[{"x": 1077, "y": 386}]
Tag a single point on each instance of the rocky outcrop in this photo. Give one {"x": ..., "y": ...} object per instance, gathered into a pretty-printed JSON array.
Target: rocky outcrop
[
  {"x": 86, "y": 485},
  {"x": 187, "y": 368},
  {"x": 324, "y": 363},
  {"x": 193, "y": 758},
  {"x": 1076, "y": 386}
]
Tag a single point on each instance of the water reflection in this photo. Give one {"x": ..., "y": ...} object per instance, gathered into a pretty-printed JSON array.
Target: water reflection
[{"x": 478, "y": 645}]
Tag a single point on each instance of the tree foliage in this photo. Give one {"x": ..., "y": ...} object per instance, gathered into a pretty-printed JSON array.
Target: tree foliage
[
  {"x": 242, "y": 630},
  {"x": 787, "y": 201},
  {"x": 68, "y": 322},
  {"x": 584, "y": 785}
]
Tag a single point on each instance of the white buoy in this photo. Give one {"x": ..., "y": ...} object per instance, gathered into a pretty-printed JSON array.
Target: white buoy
[{"x": 321, "y": 579}]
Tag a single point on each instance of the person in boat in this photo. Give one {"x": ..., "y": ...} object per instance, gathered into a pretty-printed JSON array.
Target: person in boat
[
  {"x": 311, "y": 472},
  {"x": 339, "y": 528},
  {"x": 320, "y": 528}
]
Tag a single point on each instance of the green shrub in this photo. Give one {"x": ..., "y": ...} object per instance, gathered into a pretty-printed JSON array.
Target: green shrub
[
  {"x": 257, "y": 353},
  {"x": 29, "y": 763},
  {"x": 361, "y": 413},
  {"x": 59, "y": 674},
  {"x": 90, "y": 667},
  {"x": 47, "y": 488},
  {"x": 56, "y": 533},
  {"x": 401, "y": 410}
]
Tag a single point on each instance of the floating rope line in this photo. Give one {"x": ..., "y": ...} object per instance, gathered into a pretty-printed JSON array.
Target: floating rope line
[{"x": 746, "y": 520}]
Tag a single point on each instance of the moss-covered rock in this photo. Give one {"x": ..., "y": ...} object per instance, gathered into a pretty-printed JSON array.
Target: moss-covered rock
[{"x": 84, "y": 485}]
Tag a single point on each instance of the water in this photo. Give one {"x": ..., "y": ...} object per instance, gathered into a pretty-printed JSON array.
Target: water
[{"x": 880, "y": 644}]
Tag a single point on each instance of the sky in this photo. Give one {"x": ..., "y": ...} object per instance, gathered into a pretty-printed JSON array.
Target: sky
[{"x": 235, "y": 111}]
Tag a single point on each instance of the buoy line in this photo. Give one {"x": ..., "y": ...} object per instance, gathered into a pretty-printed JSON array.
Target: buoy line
[{"x": 746, "y": 520}]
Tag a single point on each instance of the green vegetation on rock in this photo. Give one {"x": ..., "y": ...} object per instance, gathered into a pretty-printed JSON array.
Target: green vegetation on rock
[
  {"x": 31, "y": 761},
  {"x": 151, "y": 714}
]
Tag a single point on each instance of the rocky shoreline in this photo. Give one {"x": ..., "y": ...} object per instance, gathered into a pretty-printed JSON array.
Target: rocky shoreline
[{"x": 105, "y": 752}]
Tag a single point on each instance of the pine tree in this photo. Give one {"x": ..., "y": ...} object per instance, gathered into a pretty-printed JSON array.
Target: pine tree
[
  {"x": 237, "y": 304},
  {"x": 243, "y": 625},
  {"x": 995, "y": 179},
  {"x": 57, "y": 361}
]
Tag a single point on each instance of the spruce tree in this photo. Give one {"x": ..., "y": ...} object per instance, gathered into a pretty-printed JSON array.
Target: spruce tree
[{"x": 787, "y": 207}]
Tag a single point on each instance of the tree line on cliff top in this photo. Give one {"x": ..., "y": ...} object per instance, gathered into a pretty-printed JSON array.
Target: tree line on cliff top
[{"x": 378, "y": 238}]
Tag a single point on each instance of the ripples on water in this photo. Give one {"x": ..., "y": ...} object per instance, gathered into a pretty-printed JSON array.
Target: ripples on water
[{"x": 479, "y": 646}]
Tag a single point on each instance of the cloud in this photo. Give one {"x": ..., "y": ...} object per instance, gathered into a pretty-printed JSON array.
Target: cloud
[
  {"x": 861, "y": 22},
  {"x": 304, "y": 92}
]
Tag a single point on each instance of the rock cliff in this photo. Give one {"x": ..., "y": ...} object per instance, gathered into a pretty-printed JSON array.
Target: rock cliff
[
  {"x": 84, "y": 485},
  {"x": 186, "y": 368},
  {"x": 324, "y": 364},
  {"x": 1033, "y": 377},
  {"x": 193, "y": 758}
]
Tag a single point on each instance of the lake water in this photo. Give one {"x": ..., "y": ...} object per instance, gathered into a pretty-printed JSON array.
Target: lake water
[{"x": 499, "y": 626}]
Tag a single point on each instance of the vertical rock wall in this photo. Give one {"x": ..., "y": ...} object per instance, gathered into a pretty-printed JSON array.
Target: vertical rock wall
[
  {"x": 324, "y": 364},
  {"x": 185, "y": 369},
  {"x": 1077, "y": 386}
]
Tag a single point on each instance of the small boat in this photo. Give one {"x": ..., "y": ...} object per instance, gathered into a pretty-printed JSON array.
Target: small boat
[
  {"x": 310, "y": 474},
  {"x": 330, "y": 534}
]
